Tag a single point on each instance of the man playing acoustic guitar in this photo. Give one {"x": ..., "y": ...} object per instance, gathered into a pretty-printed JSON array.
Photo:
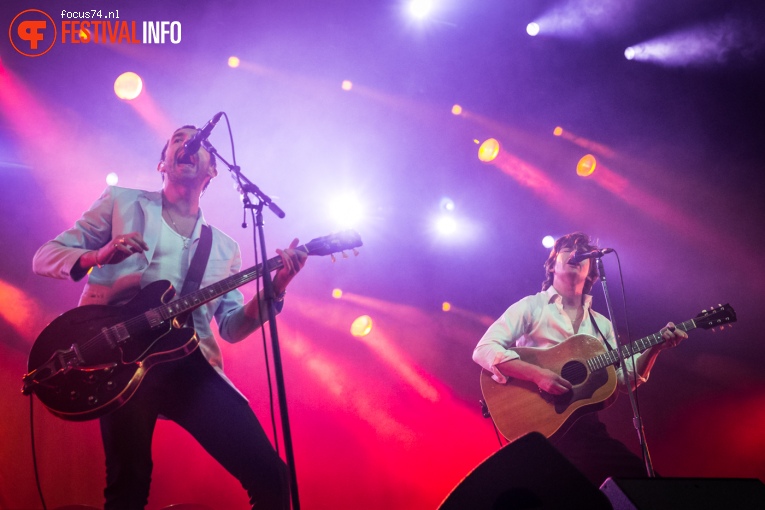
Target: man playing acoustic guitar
[
  {"x": 545, "y": 320},
  {"x": 129, "y": 239}
]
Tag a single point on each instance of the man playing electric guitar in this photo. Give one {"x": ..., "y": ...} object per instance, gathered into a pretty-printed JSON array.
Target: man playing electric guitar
[
  {"x": 129, "y": 239},
  {"x": 547, "y": 319}
]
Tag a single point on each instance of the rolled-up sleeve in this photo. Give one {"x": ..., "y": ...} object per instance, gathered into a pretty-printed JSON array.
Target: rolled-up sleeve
[
  {"x": 233, "y": 324},
  {"x": 495, "y": 346}
]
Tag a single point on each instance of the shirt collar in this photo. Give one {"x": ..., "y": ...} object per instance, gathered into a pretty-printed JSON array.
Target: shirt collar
[{"x": 553, "y": 296}]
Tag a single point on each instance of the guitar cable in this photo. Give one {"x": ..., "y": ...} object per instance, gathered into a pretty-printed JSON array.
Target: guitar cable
[
  {"x": 485, "y": 413},
  {"x": 34, "y": 450},
  {"x": 496, "y": 431}
]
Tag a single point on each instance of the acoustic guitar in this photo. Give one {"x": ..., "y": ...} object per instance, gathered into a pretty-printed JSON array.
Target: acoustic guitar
[{"x": 519, "y": 407}]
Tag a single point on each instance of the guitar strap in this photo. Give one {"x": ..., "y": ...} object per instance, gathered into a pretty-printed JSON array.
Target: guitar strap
[
  {"x": 595, "y": 325},
  {"x": 197, "y": 266}
]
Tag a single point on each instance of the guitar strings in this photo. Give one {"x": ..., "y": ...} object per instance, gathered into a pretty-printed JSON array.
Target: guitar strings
[{"x": 236, "y": 281}]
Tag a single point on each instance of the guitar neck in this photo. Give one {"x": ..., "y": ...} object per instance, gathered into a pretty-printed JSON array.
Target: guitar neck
[
  {"x": 196, "y": 299},
  {"x": 611, "y": 357}
]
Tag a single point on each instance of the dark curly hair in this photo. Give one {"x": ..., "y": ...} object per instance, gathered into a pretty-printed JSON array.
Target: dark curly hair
[{"x": 578, "y": 241}]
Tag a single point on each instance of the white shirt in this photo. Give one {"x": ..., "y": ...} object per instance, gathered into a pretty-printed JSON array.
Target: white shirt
[
  {"x": 171, "y": 259},
  {"x": 538, "y": 321}
]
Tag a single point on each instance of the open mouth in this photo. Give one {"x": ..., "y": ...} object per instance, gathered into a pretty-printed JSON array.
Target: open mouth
[{"x": 184, "y": 159}]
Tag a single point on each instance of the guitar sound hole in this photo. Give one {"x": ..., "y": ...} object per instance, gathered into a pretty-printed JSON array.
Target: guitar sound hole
[{"x": 574, "y": 372}]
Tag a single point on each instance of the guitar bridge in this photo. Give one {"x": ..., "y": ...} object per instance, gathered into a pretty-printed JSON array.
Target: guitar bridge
[{"x": 60, "y": 362}]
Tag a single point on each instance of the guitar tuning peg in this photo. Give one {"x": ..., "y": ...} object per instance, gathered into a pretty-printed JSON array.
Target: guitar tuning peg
[
  {"x": 345, "y": 255},
  {"x": 355, "y": 252},
  {"x": 332, "y": 256}
]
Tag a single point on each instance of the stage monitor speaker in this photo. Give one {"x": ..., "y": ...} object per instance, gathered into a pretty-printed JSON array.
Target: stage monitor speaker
[
  {"x": 685, "y": 493},
  {"x": 527, "y": 473}
]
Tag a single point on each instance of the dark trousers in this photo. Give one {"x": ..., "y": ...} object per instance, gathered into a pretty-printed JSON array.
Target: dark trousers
[
  {"x": 192, "y": 394},
  {"x": 596, "y": 454}
]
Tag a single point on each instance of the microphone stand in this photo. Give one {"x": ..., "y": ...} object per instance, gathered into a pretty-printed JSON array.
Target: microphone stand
[
  {"x": 637, "y": 421},
  {"x": 246, "y": 187}
]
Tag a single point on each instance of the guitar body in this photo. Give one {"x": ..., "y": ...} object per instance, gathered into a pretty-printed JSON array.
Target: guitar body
[
  {"x": 90, "y": 360},
  {"x": 518, "y": 407}
]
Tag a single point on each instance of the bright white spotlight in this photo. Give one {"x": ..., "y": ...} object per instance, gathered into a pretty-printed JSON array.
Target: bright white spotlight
[
  {"x": 446, "y": 225},
  {"x": 420, "y": 8},
  {"x": 548, "y": 241},
  {"x": 629, "y": 53},
  {"x": 714, "y": 43},
  {"x": 112, "y": 179},
  {"x": 447, "y": 204},
  {"x": 346, "y": 211},
  {"x": 532, "y": 29}
]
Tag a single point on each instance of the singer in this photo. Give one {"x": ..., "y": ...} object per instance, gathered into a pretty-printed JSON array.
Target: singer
[
  {"x": 546, "y": 319},
  {"x": 131, "y": 238}
]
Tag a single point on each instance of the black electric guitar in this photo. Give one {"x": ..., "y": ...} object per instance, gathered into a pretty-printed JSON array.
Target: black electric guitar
[
  {"x": 90, "y": 360},
  {"x": 518, "y": 407}
]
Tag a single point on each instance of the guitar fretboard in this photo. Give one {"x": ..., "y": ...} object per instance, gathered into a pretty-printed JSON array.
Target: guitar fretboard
[
  {"x": 611, "y": 357},
  {"x": 196, "y": 299}
]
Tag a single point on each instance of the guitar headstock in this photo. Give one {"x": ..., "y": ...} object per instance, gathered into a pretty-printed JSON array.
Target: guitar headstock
[
  {"x": 714, "y": 317},
  {"x": 334, "y": 243}
]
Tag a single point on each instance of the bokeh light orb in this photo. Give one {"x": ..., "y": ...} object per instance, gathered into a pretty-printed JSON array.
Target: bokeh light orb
[
  {"x": 337, "y": 293},
  {"x": 548, "y": 241},
  {"x": 112, "y": 179},
  {"x": 446, "y": 306},
  {"x": 532, "y": 29},
  {"x": 128, "y": 86},
  {"x": 362, "y": 326},
  {"x": 456, "y": 109},
  {"x": 347, "y": 85},
  {"x": 586, "y": 165},
  {"x": 488, "y": 150},
  {"x": 233, "y": 62},
  {"x": 446, "y": 204}
]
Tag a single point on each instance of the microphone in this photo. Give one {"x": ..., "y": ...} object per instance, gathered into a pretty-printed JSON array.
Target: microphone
[
  {"x": 191, "y": 146},
  {"x": 577, "y": 257}
]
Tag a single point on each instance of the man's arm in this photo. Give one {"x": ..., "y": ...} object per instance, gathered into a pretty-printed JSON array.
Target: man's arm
[
  {"x": 672, "y": 337},
  {"x": 238, "y": 321},
  {"x": 495, "y": 353},
  {"x": 60, "y": 257},
  {"x": 545, "y": 379}
]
